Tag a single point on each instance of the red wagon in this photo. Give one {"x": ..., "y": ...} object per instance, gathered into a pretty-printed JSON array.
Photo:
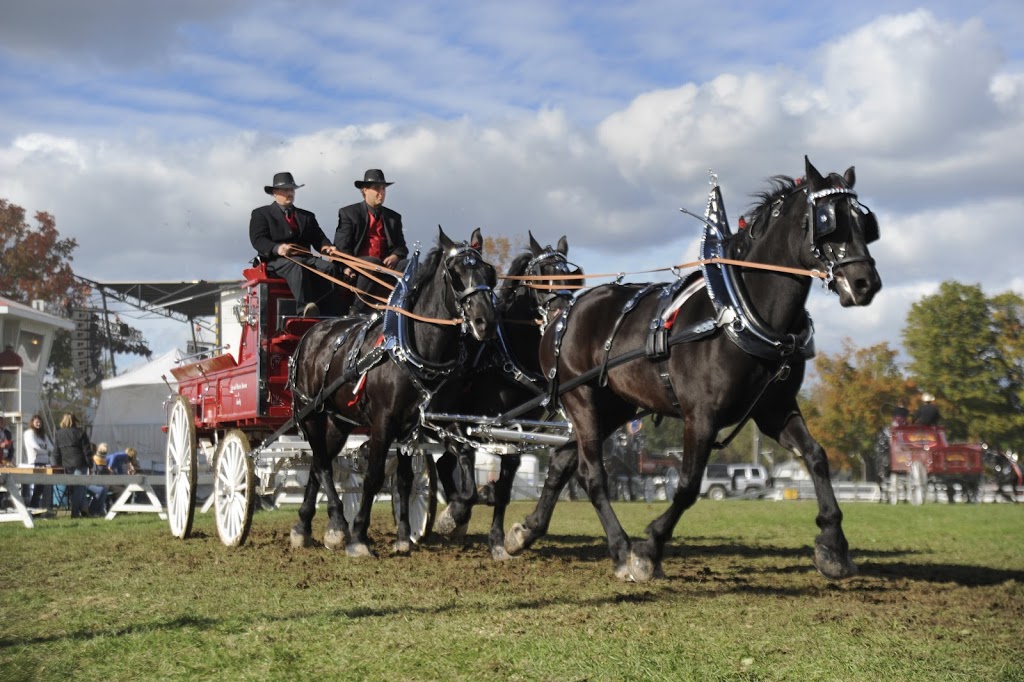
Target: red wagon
[
  {"x": 228, "y": 403},
  {"x": 918, "y": 454}
]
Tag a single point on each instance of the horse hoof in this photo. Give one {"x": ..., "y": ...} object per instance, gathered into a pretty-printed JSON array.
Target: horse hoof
[
  {"x": 623, "y": 574},
  {"x": 301, "y": 540},
  {"x": 334, "y": 539},
  {"x": 358, "y": 550},
  {"x": 515, "y": 541},
  {"x": 833, "y": 565},
  {"x": 445, "y": 524},
  {"x": 402, "y": 547},
  {"x": 499, "y": 553},
  {"x": 640, "y": 568}
]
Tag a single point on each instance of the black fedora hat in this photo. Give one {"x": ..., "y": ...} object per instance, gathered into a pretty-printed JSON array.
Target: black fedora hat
[
  {"x": 282, "y": 181},
  {"x": 374, "y": 176}
]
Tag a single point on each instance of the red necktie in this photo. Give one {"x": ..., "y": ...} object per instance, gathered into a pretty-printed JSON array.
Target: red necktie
[{"x": 289, "y": 215}]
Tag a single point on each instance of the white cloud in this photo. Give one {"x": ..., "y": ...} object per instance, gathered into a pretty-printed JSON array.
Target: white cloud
[{"x": 156, "y": 179}]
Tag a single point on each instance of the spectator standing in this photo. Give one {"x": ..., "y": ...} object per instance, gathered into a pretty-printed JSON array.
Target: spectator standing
[
  {"x": 38, "y": 449},
  {"x": 71, "y": 452}
]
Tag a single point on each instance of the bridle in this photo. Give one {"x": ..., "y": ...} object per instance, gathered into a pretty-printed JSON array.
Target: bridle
[
  {"x": 821, "y": 221},
  {"x": 472, "y": 260},
  {"x": 556, "y": 264}
]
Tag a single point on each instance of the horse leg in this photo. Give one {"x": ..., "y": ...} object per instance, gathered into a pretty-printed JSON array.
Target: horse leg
[
  {"x": 337, "y": 534},
  {"x": 595, "y": 481},
  {"x": 302, "y": 531},
  {"x": 831, "y": 550},
  {"x": 502, "y": 496},
  {"x": 376, "y": 455},
  {"x": 646, "y": 555},
  {"x": 403, "y": 486},
  {"x": 453, "y": 521},
  {"x": 562, "y": 467}
]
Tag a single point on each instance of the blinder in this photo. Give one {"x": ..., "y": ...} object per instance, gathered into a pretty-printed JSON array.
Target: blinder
[
  {"x": 472, "y": 260},
  {"x": 869, "y": 223},
  {"x": 822, "y": 217}
]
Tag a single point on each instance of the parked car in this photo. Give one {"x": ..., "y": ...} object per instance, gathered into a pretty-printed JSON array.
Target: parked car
[
  {"x": 726, "y": 480},
  {"x": 717, "y": 482},
  {"x": 749, "y": 478}
]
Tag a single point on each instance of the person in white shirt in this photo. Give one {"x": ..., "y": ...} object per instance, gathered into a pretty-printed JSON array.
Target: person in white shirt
[{"x": 38, "y": 449}]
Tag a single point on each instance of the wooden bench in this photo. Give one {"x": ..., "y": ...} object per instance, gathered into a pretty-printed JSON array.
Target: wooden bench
[{"x": 11, "y": 480}]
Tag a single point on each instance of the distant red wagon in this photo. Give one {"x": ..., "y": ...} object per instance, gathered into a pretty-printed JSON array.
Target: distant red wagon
[{"x": 918, "y": 454}]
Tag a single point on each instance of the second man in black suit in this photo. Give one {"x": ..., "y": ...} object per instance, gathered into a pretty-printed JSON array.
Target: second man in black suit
[{"x": 370, "y": 231}]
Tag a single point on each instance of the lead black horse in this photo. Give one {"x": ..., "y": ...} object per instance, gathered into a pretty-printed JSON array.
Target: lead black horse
[
  {"x": 737, "y": 349},
  {"x": 345, "y": 363}
]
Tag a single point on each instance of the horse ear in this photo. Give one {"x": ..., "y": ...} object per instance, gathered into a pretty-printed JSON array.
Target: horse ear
[
  {"x": 442, "y": 239},
  {"x": 850, "y": 177},
  {"x": 813, "y": 176},
  {"x": 563, "y": 246},
  {"x": 536, "y": 248},
  {"x": 476, "y": 240}
]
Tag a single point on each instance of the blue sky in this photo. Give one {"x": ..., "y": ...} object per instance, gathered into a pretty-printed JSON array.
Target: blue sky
[{"x": 149, "y": 129}]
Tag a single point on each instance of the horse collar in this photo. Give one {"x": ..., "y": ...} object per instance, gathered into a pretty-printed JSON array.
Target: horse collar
[{"x": 729, "y": 297}]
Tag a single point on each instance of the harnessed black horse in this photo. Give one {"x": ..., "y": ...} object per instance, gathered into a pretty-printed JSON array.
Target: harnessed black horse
[
  {"x": 344, "y": 364},
  {"x": 737, "y": 349},
  {"x": 505, "y": 373}
]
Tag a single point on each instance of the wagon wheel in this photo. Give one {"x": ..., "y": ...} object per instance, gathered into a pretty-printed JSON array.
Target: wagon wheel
[
  {"x": 918, "y": 484},
  {"x": 894, "y": 488},
  {"x": 671, "y": 482},
  {"x": 182, "y": 462},
  {"x": 423, "y": 499},
  {"x": 650, "y": 492},
  {"x": 234, "y": 487},
  {"x": 348, "y": 479}
]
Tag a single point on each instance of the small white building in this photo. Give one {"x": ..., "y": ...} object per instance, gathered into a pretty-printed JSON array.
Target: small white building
[{"x": 27, "y": 331}]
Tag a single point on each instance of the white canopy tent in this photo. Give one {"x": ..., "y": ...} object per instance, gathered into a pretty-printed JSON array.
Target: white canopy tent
[{"x": 131, "y": 410}]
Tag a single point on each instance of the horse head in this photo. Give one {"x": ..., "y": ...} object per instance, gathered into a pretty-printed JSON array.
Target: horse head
[
  {"x": 828, "y": 231},
  {"x": 471, "y": 281},
  {"x": 839, "y": 230},
  {"x": 555, "y": 293}
]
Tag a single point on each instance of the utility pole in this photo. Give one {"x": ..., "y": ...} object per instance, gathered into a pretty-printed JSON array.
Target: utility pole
[{"x": 757, "y": 445}]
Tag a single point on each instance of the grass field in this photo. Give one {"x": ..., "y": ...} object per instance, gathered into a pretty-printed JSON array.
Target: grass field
[{"x": 940, "y": 596}]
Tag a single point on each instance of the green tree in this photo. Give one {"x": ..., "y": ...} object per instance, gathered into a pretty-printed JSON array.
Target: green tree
[
  {"x": 964, "y": 350},
  {"x": 853, "y": 400}
]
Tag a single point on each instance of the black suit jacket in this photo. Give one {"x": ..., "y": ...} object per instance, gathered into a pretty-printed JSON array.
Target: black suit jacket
[
  {"x": 268, "y": 228},
  {"x": 354, "y": 223}
]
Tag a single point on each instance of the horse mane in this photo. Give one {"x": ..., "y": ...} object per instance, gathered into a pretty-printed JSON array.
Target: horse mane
[
  {"x": 427, "y": 268},
  {"x": 781, "y": 186},
  {"x": 507, "y": 289}
]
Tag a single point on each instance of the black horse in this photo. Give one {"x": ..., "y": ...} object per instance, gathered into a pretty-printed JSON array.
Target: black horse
[
  {"x": 506, "y": 374},
  {"x": 744, "y": 355},
  {"x": 386, "y": 396}
]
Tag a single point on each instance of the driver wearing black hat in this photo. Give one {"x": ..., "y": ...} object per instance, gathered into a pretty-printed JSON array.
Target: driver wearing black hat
[
  {"x": 370, "y": 231},
  {"x": 280, "y": 231}
]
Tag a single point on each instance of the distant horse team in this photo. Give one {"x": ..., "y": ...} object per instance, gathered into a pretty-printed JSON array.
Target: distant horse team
[{"x": 725, "y": 345}]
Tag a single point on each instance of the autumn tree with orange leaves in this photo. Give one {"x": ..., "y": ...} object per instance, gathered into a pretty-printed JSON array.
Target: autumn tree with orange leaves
[
  {"x": 35, "y": 263},
  {"x": 852, "y": 401}
]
